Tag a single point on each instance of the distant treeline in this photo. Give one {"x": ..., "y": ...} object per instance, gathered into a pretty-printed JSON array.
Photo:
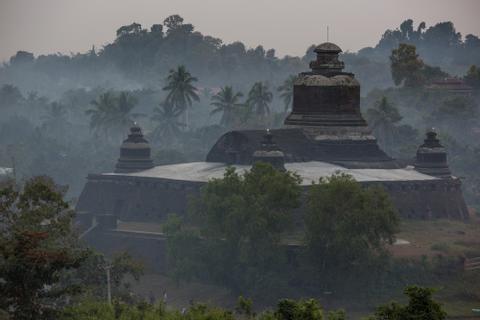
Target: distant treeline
[{"x": 140, "y": 57}]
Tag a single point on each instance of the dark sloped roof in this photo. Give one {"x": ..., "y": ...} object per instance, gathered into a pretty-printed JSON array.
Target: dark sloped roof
[{"x": 238, "y": 147}]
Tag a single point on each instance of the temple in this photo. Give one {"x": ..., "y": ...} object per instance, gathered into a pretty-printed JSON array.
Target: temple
[
  {"x": 324, "y": 134},
  {"x": 325, "y": 123}
]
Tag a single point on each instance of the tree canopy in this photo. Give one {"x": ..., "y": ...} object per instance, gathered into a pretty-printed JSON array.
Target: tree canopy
[
  {"x": 346, "y": 224},
  {"x": 227, "y": 101},
  {"x": 420, "y": 306},
  {"x": 36, "y": 246},
  {"x": 241, "y": 218}
]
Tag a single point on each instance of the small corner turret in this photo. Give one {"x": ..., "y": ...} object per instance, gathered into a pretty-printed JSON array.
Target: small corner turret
[
  {"x": 269, "y": 152},
  {"x": 432, "y": 157},
  {"x": 134, "y": 152}
]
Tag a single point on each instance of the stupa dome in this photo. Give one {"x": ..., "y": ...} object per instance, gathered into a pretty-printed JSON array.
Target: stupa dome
[
  {"x": 327, "y": 47},
  {"x": 432, "y": 157},
  {"x": 134, "y": 152}
]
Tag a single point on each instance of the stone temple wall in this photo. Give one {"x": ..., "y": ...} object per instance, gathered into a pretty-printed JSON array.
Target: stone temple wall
[
  {"x": 151, "y": 199},
  {"x": 428, "y": 199},
  {"x": 135, "y": 198}
]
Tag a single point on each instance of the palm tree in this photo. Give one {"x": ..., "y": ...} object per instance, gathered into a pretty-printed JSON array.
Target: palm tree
[
  {"x": 168, "y": 127},
  {"x": 259, "y": 98},
  {"x": 227, "y": 102},
  {"x": 181, "y": 91},
  {"x": 382, "y": 118},
  {"x": 55, "y": 113},
  {"x": 124, "y": 116},
  {"x": 112, "y": 114},
  {"x": 286, "y": 91},
  {"x": 55, "y": 120}
]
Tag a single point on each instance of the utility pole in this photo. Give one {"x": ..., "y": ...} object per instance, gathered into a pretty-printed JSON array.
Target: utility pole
[
  {"x": 109, "y": 288},
  {"x": 14, "y": 170},
  {"x": 328, "y": 36}
]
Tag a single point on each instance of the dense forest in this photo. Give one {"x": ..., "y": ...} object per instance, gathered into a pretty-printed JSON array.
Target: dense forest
[{"x": 66, "y": 115}]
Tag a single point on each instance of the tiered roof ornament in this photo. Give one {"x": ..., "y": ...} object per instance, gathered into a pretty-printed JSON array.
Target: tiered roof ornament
[
  {"x": 269, "y": 152},
  {"x": 327, "y": 59},
  {"x": 134, "y": 152}
]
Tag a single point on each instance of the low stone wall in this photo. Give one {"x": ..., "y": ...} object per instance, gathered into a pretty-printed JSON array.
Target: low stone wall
[{"x": 150, "y": 249}]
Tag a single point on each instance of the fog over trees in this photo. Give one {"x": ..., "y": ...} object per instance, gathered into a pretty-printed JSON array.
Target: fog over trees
[{"x": 65, "y": 116}]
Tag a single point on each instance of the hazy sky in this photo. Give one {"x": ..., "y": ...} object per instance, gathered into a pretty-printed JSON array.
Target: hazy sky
[{"x": 289, "y": 26}]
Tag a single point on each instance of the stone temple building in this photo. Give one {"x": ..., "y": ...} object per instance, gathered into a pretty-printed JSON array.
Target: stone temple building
[{"x": 325, "y": 133}]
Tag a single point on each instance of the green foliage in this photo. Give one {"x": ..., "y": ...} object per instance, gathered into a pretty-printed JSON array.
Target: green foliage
[
  {"x": 89, "y": 310},
  {"x": 167, "y": 127},
  {"x": 305, "y": 310},
  {"x": 346, "y": 224},
  {"x": 241, "y": 219},
  {"x": 456, "y": 107},
  {"x": 408, "y": 69},
  {"x": 472, "y": 77},
  {"x": 184, "y": 250},
  {"x": 259, "y": 98},
  {"x": 112, "y": 114},
  {"x": 227, "y": 102},
  {"x": 36, "y": 246},
  {"x": 10, "y": 96},
  {"x": 383, "y": 118},
  {"x": 244, "y": 306},
  {"x": 286, "y": 91},
  {"x": 420, "y": 306},
  {"x": 181, "y": 89},
  {"x": 292, "y": 310},
  {"x": 285, "y": 310},
  {"x": 406, "y": 66},
  {"x": 123, "y": 264},
  {"x": 92, "y": 310},
  {"x": 255, "y": 206},
  {"x": 91, "y": 275}
]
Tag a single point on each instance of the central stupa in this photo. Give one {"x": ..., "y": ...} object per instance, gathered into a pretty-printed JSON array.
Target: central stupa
[
  {"x": 325, "y": 123},
  {"x": 326, "y": 96}
]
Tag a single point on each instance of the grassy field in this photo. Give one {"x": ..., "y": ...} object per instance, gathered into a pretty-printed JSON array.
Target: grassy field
[
  {"x": 449, "y": 239},
  {"x": 446, "y": 237}
]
